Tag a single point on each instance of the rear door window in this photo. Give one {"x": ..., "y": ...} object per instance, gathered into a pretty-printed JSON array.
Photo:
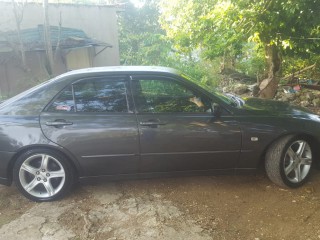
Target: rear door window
[{"x": 93, "y": 95}]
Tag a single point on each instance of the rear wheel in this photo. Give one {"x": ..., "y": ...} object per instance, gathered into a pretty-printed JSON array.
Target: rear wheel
[
  {"x": 288, "y": 161},
  {"x": 43, "y": 175}
]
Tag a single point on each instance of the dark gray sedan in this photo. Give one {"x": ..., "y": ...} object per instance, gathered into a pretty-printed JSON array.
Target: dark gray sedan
[{"x": 126, "y": 122}]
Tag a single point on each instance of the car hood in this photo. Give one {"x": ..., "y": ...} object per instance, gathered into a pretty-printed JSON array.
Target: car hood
[{"x": 272, "y": 107}]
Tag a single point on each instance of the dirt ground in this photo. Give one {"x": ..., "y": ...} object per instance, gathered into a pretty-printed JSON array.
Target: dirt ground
[{"x": 214, "y": 207}]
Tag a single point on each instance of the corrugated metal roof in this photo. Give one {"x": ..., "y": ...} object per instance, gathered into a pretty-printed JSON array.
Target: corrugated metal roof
[{"x": 33, "y": 39}]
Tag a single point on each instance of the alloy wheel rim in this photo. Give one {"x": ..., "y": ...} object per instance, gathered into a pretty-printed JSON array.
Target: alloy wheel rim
[
  {"x": 297, "y": 161},
  {"x": 42, "y": 175}
]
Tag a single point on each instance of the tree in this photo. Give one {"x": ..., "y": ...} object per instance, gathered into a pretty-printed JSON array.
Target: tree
[
  {"x": 142, "y": 41},
  {"x": 223, "y": 27}
]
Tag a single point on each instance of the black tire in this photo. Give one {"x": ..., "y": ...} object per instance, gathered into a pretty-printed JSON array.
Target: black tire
[
  {"x": 288, "y": 161},
  {"x": 43, "y": 175}
]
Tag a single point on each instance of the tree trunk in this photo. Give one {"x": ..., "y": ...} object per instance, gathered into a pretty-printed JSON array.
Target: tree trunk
[
  {"x": 268, "y": 86},
  {"x": 47, "y": 38},
  {"x": 57, "y": 51},
  {"x": 18, "y": 15}
]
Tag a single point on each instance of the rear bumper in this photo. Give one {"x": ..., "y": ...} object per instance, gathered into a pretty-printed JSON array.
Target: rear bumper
[{"x": 5, "y": 171}]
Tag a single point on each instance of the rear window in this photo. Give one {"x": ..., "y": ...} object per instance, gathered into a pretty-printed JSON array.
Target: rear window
[{"x": 32, "y": 101}]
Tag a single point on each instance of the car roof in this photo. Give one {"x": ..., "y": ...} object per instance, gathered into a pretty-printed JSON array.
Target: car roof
[
  {"x": 123, "y": 69},
  {"x": 88, "y": 72}
]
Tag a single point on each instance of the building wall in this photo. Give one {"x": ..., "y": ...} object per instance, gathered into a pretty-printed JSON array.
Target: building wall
[
  {"x": 98, "y": 22},
  {"x": 14, "y": 78},
  {"x": 79, "y": 58}
]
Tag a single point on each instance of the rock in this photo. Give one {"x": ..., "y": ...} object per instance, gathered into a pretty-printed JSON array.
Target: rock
[
  {"x": 304, "y": 104},
  {"x": 284, "y": 98},
  {"x": 253, "y": 86},
  {"x": 291, "y": 97},
  {"x": 309, "y": 96},
  {"x": 298, "y": 94},
  {"x": 309, "y": 189},
  {"x": 303, "y": 98},
  {"x": 316, "y": 102},
  {"x": 255, "y": 90},
  {"x": 240, "y": 89},
  {"x": 226, "y": 89}
]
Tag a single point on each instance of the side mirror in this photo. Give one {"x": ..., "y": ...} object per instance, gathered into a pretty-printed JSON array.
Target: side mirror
[{"x": 216, "y": 109}]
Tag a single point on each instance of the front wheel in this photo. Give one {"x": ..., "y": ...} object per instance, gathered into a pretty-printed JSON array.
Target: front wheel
[
  {"x": 288, "y": 161},
  {"x": 42, "y": 175}
]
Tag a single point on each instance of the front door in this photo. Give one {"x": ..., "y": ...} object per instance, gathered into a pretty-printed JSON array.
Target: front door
[
  {"x": 92, "y": 119},
  {"x": 177, "y": 129}
]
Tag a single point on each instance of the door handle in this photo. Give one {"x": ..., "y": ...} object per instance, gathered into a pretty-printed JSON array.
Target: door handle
[
  {"x": 152, "y": 123},
  {"x": 58, "y": 123}
]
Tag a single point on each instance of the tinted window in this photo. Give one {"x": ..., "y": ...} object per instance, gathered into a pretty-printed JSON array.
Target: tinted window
[
  {"x": 64, "y": 102},
  {"x": 32, "y": 101},
  {"x": 101, "y": 96},
  {"x": 168, "y": 96},
  {"x": 98, "y": 95}
]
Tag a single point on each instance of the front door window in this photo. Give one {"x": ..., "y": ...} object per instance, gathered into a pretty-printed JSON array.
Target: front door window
[
  {"x": 177, "y": 129},
  {"x": 167, "y": 96}
]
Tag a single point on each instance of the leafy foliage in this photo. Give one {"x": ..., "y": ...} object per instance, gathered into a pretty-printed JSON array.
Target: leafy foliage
[
  {"x": 144, "y": 42},
  {"x": 293, "y": 64},
  {"x": 222, "y": 27},
  {"x": 251, "y": 61}
]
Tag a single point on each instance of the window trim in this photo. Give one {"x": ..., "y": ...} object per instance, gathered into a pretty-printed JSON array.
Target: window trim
[
  {"x": 114, "y": 78},
  {"x": 179, "y": 82},
  {"x": 74, "y": 99}
]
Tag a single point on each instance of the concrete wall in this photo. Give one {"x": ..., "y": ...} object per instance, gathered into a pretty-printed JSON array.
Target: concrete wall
[
  {"x": 14, "y": 78},
  {"x": 98, "y": 22},
  {"x": 79, "y": 58}
]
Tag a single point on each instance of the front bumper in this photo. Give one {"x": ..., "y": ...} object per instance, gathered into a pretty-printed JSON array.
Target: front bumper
[
  {"x": 5, "y": 167},
  {"x": 5, "y": 181}
]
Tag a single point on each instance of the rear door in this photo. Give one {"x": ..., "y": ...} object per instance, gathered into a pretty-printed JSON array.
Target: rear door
[{"x": 93, "y": 119}]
